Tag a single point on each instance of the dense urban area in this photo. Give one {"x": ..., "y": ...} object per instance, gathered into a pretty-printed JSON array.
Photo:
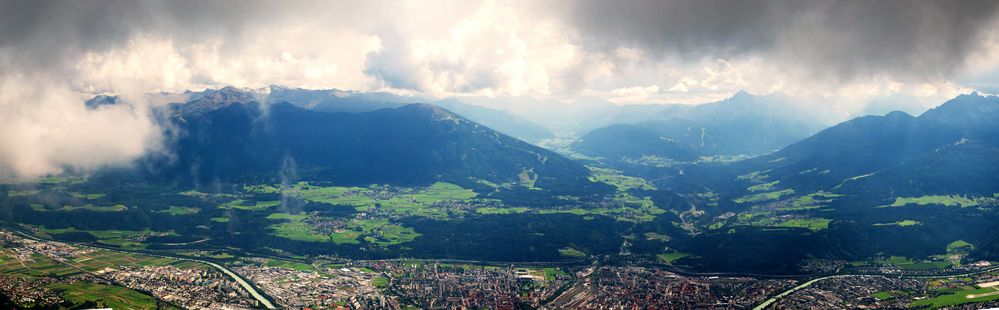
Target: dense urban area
[{"x": 42, "y": 273}]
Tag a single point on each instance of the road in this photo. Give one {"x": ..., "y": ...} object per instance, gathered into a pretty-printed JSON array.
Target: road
[
  {"x": 239, "y": 279},
  {"x": 774, "y": 299}
]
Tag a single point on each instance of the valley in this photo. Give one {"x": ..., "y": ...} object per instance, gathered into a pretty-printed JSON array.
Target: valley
[{"x": 527, "y": 227}]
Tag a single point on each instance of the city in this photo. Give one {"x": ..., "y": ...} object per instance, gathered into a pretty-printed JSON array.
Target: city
[{"x": 499, "y": 154}]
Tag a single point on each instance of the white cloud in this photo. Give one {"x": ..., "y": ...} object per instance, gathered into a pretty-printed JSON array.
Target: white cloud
[
  {"x": 440, "y": 48},
  {"x": 48, "y": 129}
]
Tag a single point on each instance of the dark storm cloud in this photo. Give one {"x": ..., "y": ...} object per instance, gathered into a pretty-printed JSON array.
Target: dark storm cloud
[
  {"x": 911, "y": 39},
  {"x": 42, "y": 34}
]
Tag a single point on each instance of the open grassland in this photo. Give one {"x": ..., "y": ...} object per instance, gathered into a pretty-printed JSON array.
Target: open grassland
[
  {"x": 296, "y": 230},
  {"x": 88, "y": 196},
  {"x": 113, "y": 237},
  {"x": 178, "y": 211},
  {"x": 755, "y": 176},
  {"x": 288, "y": 264},
  {"x": 905, "y": 263},
  {"x": 622, "y": 182},
  {"x": 959, "y": 246},
  {"x": 422, "y": 202},
  {"x": 886, "y": 295},
  {"x": 247, "y": 205},
  {"x": 814, "y": 224},
  {"x": 379, "y": 231},
  {"x": 948, "y": 200},
  {"x": 902, "y": 223},
  {"x": 552, "y": 273},
  {"x": 346, "y": 237},
  {"x": 811, "y": 201},
  {"x": 571, "y": 252},
  {"x": 286, "y": 216},
  {"x": 86, "y": 207},
  {"x": 958, "y": 296},
  {"x": 23, "y": 193},
  {"x": 114, "y": 297},
  {"x": 491, "y": 210},
  {"x": 767, "y": 196},
  {"x": 384, "y": 233},
  {"x": 669, "y": 258},
  {"x": 763, "y": 187},
  {"x": 37, "y": 266}
]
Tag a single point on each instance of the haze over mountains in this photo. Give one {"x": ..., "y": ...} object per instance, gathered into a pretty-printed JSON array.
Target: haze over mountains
[
  {"x": 232, "y": 135},
  {"x": 480, "y": 154},
  {"x": 744, "y": 125},
  {"x": 741, "y": 125},
  {"x": 744, "y": 168},
  {"x": 948, "y": 149}
]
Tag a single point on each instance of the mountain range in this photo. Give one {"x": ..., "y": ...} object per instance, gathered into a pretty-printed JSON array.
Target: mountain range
[
  {"x": 953, "y": 148},
  {"x": 229, "y": 135},
  {"x": 742, "y": 124},
  {"x": 838, "y": 194}
]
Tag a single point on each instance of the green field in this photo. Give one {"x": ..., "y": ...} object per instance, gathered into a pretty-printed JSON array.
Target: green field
[
  {"x": 961, "y": 296},
  {"x": 811, "y": 201},
  {"x": 948, "y": 200},
  {"x": 251, "y": 206},
  {"x": 178, "y": 211},
  {"x": 40, "y": 266},
  {"x": 902, "y": 223},
  {"x": 886, "y": 295},
  {"x": 380, "y": 282},
  {"x": 655, "y": 236},
  {"x": 669, "y": 258},
  {"x": 442, "y": 191},
  {"x": 298, "y": 231},
  {"x": 118, "y": 238},
  {"x": 905, "y": 263},
  {"x": 382, "y": 232},
  {"x": 23, "y": 193},
  {"x": 422, "y": 202},
  {"x": 571, "y": 252},
  {"x": 114, "y": 297},
  {"x": 286, "y": 216},
  {"x": 815, "y": 224},
  {"x": 763, "y": 187},
  {"x": 553, "y": 273},
  {"x": 491, "y": 210},
  {"x": 622, "y": 182},
  {"x": 959, "y": 245},
  {"x": 768, "y": 196},
  {"x": 87, "y": 207},
  {"x": 90, "y": 196},
  {"x": 379, "y": 232},
  {"x": 289, "y": 264},
  {"x": 755, "y": 176},
  {"x": 345, "y": 237}
]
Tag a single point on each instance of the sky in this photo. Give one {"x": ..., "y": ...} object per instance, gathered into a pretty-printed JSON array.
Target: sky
[{"x": 840, "y": 56}]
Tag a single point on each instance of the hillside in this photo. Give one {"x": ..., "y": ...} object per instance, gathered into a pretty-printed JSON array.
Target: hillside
[
  {"x": 740, "y": 125},
  {"x": 228, "y": 136}
]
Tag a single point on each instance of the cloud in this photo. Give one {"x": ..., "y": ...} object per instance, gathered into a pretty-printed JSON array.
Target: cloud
[
  {"x": 837, "y": 40},
  {"x": 56, "y": 53},
  {"x": 46, "y": 130}
]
